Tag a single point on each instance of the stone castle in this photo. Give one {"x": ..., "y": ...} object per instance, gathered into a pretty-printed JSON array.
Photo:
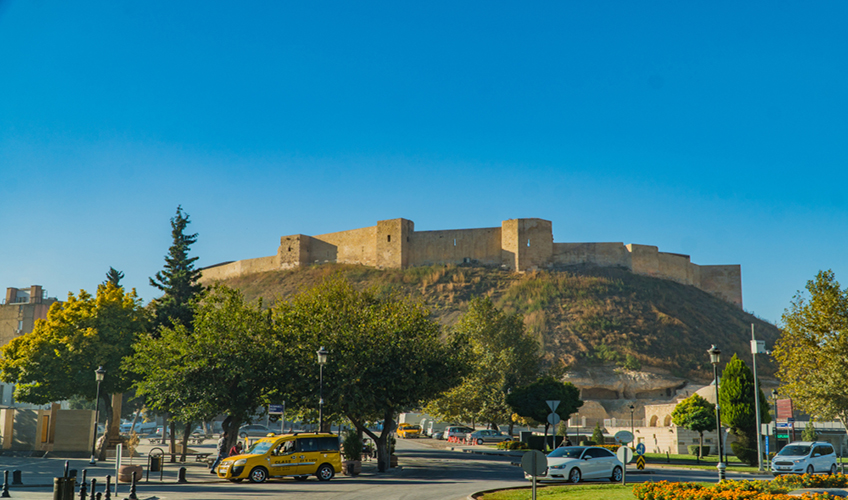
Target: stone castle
[{"x": 518, "y": 244}]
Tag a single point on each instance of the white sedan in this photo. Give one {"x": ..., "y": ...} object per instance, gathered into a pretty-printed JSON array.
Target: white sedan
[{"x": 573, "y": 463}]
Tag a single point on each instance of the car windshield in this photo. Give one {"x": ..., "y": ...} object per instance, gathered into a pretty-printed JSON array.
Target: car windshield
[
  {"x": 415, "y": 427},
  {"x": 795, "y": 450},
  {"x": 259, "y": 447},
  {"x": 566, "y": 452}
]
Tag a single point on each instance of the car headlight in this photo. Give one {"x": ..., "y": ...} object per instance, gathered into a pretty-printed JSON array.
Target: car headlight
[
  {"x": 240, "y": 462},
  {"x": 798, "y": 461},
  {"x": 560, "y": 466}
]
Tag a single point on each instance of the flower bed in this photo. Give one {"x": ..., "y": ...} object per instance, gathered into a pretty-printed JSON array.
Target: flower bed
[{"x": 740, "y": 490}]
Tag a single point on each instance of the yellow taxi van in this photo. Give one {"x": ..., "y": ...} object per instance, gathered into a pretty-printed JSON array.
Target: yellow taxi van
[{"x": 300, "y": 455}]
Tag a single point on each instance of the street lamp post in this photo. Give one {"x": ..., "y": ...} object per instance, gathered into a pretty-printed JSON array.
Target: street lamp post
[
  {"x": 715, "y": 357},
  {"x": 322, "y": 360},
  {"x": 774, "y": 423},
  {"x": 99, "y": 373},
  {"x": 632, "y": 409}
]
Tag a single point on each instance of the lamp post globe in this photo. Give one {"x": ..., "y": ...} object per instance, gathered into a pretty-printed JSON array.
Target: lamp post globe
[
  {"x": 322, "y": 360},
  {"x": 99, "y": 374},
  {"x": 715, "y": 359}
]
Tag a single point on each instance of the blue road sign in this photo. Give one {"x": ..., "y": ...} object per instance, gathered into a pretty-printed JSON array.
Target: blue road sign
[
  {"x": 640, "y": 449},
  {"x": 276, "y": 409}
]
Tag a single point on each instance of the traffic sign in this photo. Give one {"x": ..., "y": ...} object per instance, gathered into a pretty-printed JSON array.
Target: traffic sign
[
  {"x": 625, "y": 454},
  {"x": 553, "y": 418},
  {"x": 640, "y": 462},
  {"x": 276, "y": 409},
  {"x": 784, "y": 425},
  {"x": 534, "y": 463},
  {"x": 640, "y": 449},
  {"x": 552, "y": 404},
  {"x": 624, "y": 437}
]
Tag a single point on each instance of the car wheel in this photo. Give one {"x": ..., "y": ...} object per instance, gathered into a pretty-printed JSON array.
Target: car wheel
[
  {"x": 616, "y": 475},
  {"x": 301, "y": 478},
  {"x": 325, "y": 472},
  {"x": 479, "y": 441},
  {"x": 810, "y": 469},
  {"x": 833, "y": 469},
  {"x": 258, "y": 475},
  {"x": 574, "y": 475}
]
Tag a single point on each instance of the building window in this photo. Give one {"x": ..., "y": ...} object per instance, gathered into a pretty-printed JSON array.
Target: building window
[
  {"x": 389, "y": 238},
  {"x": 20, "y": 325}
]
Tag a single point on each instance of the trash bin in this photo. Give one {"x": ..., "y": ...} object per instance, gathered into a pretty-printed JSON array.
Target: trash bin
[
  {"x": 63, "y": 488},
  {"x": 156, "y": 463}
]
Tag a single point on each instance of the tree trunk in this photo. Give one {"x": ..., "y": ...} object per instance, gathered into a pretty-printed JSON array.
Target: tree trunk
[
  {"x": 381, "y": 442},
  {"x": 701, "y": 446},
  {"x": 511, "y": 427},
  {"x": 231, "y": 426},
  {"x": 186, "y": 435},
  {"x": 173, "y": 438},
  {"x": 107, "y": 411}
]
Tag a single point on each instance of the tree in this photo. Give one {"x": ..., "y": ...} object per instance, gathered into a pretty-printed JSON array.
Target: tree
[
  {"x": 812, "y": 351},
  {"x": 385, "y": 355},
  {"x": 736, "y": 396},
  {"x": 228, "y": 364},
  {"x": 696, "y": 414},
  {"x": 114, "y": 276},
  {"x": 598, "y": 434},
  {"x": 502, "y": 357},
  {"x": 179, "y": 282},
  {"x": 56, "y": 361},
  {"x": 530, "y": 401},
  {"x": 809, "y": 433},
  {"x": 179, "y": 279}
]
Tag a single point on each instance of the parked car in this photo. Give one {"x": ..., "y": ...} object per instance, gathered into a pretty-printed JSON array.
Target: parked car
[
  {"x": 804, "y": 457},
  {"x": 437, "y": 435},
  {"x": 254, "y": 430},
  {"x": 574, "y": 463},
  {"x": 487, "y": 436},
  {"x": 407, "y": 431},
  {"x": 457, "y": 431},
  {"x": 288, "y": 455}
]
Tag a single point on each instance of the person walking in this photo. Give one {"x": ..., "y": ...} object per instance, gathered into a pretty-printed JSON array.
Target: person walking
[{"x": 222, "y": 452}]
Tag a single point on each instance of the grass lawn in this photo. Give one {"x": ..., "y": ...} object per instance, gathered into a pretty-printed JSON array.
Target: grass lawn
[
  {"x": 707, "y": 463},
  {"x": 579, "y": 492}
]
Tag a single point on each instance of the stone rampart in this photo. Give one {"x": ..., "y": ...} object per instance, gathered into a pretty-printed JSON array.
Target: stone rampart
[{"x": 519, "y": 244}]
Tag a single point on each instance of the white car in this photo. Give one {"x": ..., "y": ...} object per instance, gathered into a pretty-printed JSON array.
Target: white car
[
  {"x": 804, "y": 457},
  {"x": 573, "y": 463}
]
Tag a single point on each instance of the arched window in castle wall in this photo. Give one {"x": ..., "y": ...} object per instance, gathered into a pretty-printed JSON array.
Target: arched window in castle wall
[
  {"x": 667, "y": 422},
  {"x": 654, "y": 419}
]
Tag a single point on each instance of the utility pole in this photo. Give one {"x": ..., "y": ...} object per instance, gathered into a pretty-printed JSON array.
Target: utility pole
[{"x": 756, "y": 348}]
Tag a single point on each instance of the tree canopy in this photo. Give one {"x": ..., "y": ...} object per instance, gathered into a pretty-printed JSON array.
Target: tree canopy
[
  {"x": 179, "y": 279},
  {"x": 502, "y": 357},
  {"x": 696, "y": 414},
  {"x": 56, "y": 361},
  {"x": 529, "y": 401},
  {"x": 812, "y": 352}
]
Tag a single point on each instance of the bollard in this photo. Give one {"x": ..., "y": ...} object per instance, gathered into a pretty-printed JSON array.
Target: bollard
[
  {"x": 108, "y": 495},
  {"x": 16, "y": 477},
  {"x": 182, "y": 478},
  {"x": 63, "y": 488},
  {"x": 132, "y": 489},
  {"x": 93, "y": 486},
  {"x": 83, "y": 492},
  {"x": 67, "y": 466},
  {"x": 99, "y": 496},
  {"x": 84, "y": 473},
  {"x": 721, "y": 468},
  {"x": 5, "y": 493}
]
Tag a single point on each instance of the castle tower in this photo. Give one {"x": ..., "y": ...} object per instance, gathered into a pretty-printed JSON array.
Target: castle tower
[
  {"x": 393, "y": 242},
  {"x": 526, "y": 243}
]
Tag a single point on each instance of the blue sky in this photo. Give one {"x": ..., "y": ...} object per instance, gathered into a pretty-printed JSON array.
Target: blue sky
[{"x": 715, "y": 129}]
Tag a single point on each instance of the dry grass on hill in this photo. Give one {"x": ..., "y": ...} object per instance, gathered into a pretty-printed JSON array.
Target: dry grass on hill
[{"x": 583, "y": 315}]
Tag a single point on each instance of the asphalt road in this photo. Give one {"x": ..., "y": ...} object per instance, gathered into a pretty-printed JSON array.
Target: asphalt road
[{"x": 426, "y": 473}]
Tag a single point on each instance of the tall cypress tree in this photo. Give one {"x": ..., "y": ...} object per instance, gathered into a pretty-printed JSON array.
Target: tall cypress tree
[
  {"x": 178, "y": 280},
  {"x": 736, "y": 395}
]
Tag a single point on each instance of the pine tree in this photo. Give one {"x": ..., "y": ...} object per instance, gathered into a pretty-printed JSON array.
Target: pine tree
[
  {"x": 114, "y": 276},
  {"x": 597, "y": 434},
  {"x": 736, "y": 395},
  {"x": 178, "y": 279},
  {"x": 809, "y": 433}
]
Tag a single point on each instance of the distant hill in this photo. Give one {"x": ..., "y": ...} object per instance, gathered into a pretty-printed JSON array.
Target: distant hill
[{"x": 583, "y": 315}]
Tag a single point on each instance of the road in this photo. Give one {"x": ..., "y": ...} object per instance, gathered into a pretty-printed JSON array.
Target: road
[{"x": 426, "y": 473}]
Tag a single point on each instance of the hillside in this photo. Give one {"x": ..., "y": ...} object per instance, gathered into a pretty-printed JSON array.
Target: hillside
[{"x": 583, "y": 315}]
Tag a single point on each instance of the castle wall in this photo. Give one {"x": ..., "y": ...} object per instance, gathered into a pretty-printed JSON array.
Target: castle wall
[
  {"x": 723, "y": 281},
  {"x": 294, "y": 251},
  {"x": 345, "y": 247},
  {"x": 454, "y": 246},
  {"x": 675, "y": 266},
  {"x": 240, "y": 268},
  {"x": 644, "y": 259},
  {"x": 599, "y": 254},
  {"x": 393, "y": 242},
  {"x": 526, "y": 243}
]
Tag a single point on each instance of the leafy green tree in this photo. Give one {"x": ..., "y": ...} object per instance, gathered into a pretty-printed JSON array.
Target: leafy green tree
[
  {"x": 228, "y": 364},
  {"x": 811, "y": 349},
  {"x": 503, "y": 356},
  {"x": 696, "y": 414},
  {"x": 178, "y": 280},
  {"x": 530, "y": 401},
  {"x": 809, "y": 433},
  {"x": 56, "y": 361},
  {"x": 385, "y": 355},
  {"x": 598, "y": 434},
  {"x": 114, "y": 276},
  {"x": 736, "y": 396}
]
